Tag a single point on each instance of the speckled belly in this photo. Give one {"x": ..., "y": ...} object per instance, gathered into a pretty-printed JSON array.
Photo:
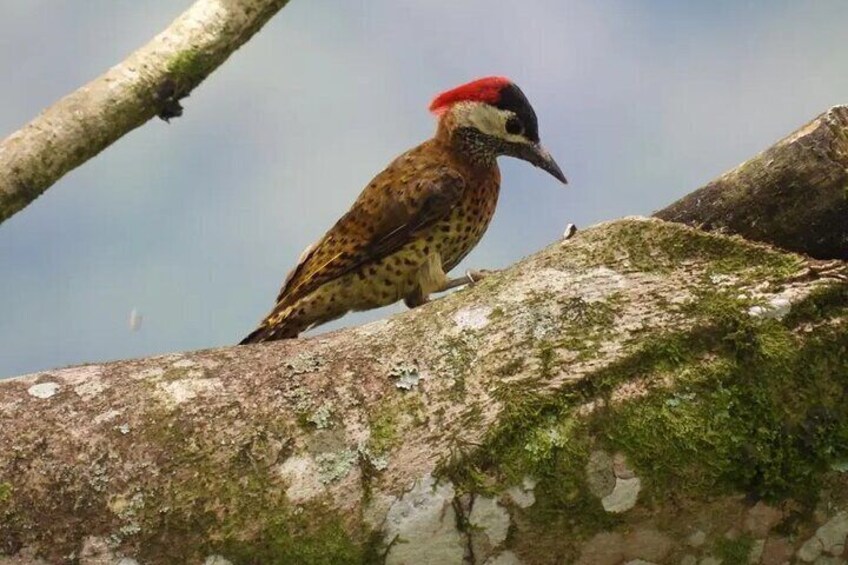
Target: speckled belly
[{"x": 396, "y": 276}]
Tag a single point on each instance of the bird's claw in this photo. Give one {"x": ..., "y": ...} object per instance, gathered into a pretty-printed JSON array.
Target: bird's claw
[{"x": 474, "y": 276}]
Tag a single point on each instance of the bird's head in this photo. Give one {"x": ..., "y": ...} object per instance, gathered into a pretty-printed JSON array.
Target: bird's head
[{"x": 490, "y": 117}]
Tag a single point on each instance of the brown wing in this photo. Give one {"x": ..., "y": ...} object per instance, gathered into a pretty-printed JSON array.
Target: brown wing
[{"x": 389, "y": 213}]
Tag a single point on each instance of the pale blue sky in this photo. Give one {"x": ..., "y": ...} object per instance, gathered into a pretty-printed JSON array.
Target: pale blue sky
[{"x": 196, "y": 223}]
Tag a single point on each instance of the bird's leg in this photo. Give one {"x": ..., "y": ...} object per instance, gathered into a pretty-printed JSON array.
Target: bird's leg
[
  {"x": 416, "y": 298},
  {"x": 432, "y": 278}
]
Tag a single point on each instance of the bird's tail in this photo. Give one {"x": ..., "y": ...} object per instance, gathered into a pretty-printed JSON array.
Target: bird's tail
[{"x": 280, "y": 324}]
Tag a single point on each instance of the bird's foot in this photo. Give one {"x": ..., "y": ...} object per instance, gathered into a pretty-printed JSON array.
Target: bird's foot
[
  {"x": 471, "y": 278},
  {"x": 818, "y": 269}
]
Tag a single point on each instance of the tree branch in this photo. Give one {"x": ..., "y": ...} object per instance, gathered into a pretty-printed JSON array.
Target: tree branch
[
  {"x": 148, "y": 83},
  {"x": 793, "y": 195},
  {"x": 607, "y": 386}
]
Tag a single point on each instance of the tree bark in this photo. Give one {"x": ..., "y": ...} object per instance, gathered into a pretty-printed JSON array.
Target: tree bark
[
  {"x": 614, "y": 397},
  {"x": 148, "y": 83},
  {"x": 793, "y": 195}
]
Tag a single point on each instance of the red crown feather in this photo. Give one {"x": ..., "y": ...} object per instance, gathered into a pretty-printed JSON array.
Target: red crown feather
[{"x": 486, "y": 89}]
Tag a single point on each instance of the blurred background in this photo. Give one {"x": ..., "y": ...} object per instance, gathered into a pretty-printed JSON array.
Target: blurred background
[{"x": 185, "y": 231}]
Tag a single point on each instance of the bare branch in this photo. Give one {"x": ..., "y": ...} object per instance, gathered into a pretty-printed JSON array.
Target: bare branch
[
  {"x": 793, "y": 195},
  {"x": 428, "y": 437},
  {"x": 148, "y": 83}
]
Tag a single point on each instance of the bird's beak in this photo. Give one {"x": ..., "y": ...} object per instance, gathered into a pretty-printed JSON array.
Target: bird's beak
[{"x": 537, "y": 155}]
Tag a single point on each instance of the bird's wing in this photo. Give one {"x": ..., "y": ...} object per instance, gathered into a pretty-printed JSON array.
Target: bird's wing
[{"x": 386, "y": 216}]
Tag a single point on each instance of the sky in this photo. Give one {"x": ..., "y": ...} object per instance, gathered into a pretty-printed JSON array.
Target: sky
[{"x": 194, "y": 224}]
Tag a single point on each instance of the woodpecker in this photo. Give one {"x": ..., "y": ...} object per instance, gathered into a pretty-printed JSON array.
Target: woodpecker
[{"x": 418, "y": 218}]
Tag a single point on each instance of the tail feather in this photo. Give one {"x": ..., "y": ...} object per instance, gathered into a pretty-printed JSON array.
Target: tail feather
[
  {"x": 270, "y": 333},
  {"x": 278, "y": 325}
]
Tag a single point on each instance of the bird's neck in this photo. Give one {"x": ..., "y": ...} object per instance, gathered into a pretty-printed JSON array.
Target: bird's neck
[{"x": 465, "y": 142}]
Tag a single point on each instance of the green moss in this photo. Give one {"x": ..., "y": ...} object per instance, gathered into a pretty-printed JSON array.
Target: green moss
[
  {"x": 663, "y": 246},
  {"x": 235, "y": 507},
  {"x": 312, "y": 536},
  {"x": 586, "y": 324},
  {"x": 384, "y": 432},
  {"x": 5, "y": 492},
  {"x": 189, "y": 67},
  {"x": 458, "y": 353},
  {"x": 510, "y": 368},
  {"x": 823, "y": 302},
  {"x": 733, "y": 551},
  {"x": 757, "y": 408},
  {"x": 496, "y": 314},
  {"x": 547, "y": 356}
]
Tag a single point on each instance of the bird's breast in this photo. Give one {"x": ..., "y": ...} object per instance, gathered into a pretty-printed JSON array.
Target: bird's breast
[{"x": 459, "y": 234}]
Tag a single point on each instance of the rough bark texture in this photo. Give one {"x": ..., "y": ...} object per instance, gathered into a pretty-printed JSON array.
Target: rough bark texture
[
  {"x": 793, "y": 195},
  {"x": 642, "y": 391},
  {"x": 149, "y": 82}
]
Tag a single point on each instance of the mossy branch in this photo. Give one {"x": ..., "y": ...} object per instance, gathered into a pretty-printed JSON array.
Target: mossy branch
[
  {"x": 610, "y": 393},
  {"x": 793, "y": 195},
  {"x": 150, "y": 82}
]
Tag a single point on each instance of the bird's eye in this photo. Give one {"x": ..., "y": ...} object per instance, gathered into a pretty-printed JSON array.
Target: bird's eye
[{"x": 513, "y": 126}]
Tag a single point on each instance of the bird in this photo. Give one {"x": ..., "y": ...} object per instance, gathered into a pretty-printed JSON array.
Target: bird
[{"x": 418, "y": 218}]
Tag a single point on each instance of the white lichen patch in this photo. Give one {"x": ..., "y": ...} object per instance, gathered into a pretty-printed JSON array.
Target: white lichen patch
[
  {"x": 107, "y": 416},
  {"x": 333, "y": 466},
  {"x": 182, "y": 390},
  {"x": 378, "y": 462},
  {"x": 301, "y": 475},
  {"x": 776, "y": 308},
  {"x": 90, "y": 389},
  {"x": 623, "y": 496},
  {"x": 540, "y": 280},
  {"x": 723, "y": 280},
  {"x": 76, "y": 375},
  {"x": 184, "y": 364},
  {"x": 151, "y": 373},
  {"x": 523, "y": 495},
  {"x": 217, "y": 560},
  {"x": 777, "y": 305},
  {"x": 304, "y": 363},
  {"x": 127, "y": 509},
  {"x": 44, "y": 390},
  {"x": 421, "y": 526},
  {"x": 406, "y": 376},
  {"x": 322, "y": 418},
  {"x": 488, "y": 516},
  {"x": 475, "y": 318}
]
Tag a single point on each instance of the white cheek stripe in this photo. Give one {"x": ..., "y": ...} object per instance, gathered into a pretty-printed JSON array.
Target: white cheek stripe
[{"x": 487, "y": 119}]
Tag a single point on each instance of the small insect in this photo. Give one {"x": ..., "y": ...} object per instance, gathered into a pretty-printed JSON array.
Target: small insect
[{"x": 135, "y": 320}]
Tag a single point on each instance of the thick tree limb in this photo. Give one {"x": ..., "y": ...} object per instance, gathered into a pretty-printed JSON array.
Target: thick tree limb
[
  {"x": 148, "y": 83},
  {"x": 601, "y": 400},
  {"x": 793, "y": 195}
]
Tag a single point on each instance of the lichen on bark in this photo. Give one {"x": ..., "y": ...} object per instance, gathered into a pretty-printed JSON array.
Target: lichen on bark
[{"x": 612, "y": 391}]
